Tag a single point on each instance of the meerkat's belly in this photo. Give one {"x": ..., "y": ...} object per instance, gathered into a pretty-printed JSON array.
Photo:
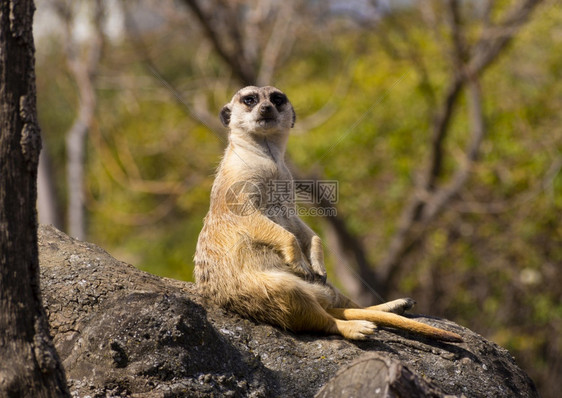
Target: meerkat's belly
[{"x": 220, "y": 262}]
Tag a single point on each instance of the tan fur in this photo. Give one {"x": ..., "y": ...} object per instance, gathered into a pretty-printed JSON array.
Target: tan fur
[{"x": 270, "y": 266}]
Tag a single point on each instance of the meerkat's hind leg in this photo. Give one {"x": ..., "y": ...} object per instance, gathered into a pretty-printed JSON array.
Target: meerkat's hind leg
[
  {"x": 285, "y": 300},
  {"x": 387, "y": 319},
  {"x": 398, "y": 306}
]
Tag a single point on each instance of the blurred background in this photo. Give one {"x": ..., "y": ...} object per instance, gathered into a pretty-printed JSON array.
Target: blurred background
[{"x": 441, "y": 121}]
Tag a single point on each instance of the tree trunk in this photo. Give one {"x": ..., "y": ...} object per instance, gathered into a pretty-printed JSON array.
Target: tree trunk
[
  {"x": 83, "y": 61},
  {"x": 29, "y": 365},
  {"x": 48, "y": 204},
  {"x": 75, "y": 152},
  {"x": 377, "y": 375}
]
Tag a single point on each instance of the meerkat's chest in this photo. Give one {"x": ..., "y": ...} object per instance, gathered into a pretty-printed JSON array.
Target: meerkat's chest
[
  {"x": 278, "y": 196},
  {"x": 264, "y": 181}
]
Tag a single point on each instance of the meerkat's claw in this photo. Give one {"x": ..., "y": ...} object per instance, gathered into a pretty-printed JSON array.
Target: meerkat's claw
[
  {"x": 403, "y": 305},
  {"x": 305, "y": 271},
  {"x": 398, "y": 306},
  {"x": 320, "y": 278}
]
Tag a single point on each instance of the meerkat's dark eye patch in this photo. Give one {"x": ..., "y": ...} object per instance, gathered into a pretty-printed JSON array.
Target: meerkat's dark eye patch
[
  {"x": 250, "y": 100},
  {"x": 278, "y": 99}
]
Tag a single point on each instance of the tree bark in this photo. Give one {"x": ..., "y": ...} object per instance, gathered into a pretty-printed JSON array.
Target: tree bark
[{"x": 29, "y": 365}]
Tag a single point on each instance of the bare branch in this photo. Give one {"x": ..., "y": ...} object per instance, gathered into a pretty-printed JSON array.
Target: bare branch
[
  {"x": 279, "y": 38},
  {"x": 83, "y": 68},
  {"x": 48, "y": 204},
  {"x": 330, "y": 107},
  {"x": 198, "y": 110},
  {"x": 459, "y": 44},
  {"x": 440, "y": 129},
  {"x": 494, "y": 39},
  {"x": 357, "y": 276},
  {"x": 411, "y": 53},
  {"x": 352, "y": 260},
  {"x": 445, "y": 194},
  {"x": 429, "y": 199},
  {"x": 126, "y": 174},
  {"x": 244, "y": 71},
  {"x": 159, "y": 212},
  {"x": 468, "y": 205}
]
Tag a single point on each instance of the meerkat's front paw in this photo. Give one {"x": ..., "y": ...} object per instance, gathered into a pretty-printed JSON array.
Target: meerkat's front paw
[
  {"x": 304, "y": 270},
  {"x": 319, "y": 272},
  {"x": 317, "y": 260},
  {"x": 298, "y": 263},
  {"x": 321, "y": 279}
]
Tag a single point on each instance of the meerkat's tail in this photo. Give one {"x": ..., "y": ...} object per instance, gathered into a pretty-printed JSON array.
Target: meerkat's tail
[{"x": 381, "y": 318}]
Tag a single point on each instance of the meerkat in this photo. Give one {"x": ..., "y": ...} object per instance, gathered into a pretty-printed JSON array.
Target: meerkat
[{"x": 255, "y": 256}]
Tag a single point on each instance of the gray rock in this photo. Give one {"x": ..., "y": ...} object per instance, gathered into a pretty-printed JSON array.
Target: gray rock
[
  {"x": 124, "y": 333},
  {"x": 378, "y": 376}
]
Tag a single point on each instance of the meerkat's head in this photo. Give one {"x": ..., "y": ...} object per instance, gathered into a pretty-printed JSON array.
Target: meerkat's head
[{"x": 261, "y": 110}]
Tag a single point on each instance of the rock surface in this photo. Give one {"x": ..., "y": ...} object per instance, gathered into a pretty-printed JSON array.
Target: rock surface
[
  {"x": 377, "y": 375},
  {"x": 124, "y": 333}
]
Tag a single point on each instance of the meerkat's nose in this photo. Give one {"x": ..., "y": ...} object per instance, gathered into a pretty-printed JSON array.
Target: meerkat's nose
[{"x": 266, "y": 108}]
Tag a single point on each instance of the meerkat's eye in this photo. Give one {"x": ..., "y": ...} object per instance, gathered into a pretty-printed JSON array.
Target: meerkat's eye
[
  {"x": 250, "y": 100},
  {"x": 278, "y": 99}
]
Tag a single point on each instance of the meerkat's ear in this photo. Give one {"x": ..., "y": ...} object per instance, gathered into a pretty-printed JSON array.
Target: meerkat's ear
[
  {"x": 225, "y": 115},
  {"x": 294, "y": 117}
]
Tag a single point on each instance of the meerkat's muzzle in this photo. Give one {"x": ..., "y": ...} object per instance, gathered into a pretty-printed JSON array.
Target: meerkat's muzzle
[{"x": 268, "y": 116}]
